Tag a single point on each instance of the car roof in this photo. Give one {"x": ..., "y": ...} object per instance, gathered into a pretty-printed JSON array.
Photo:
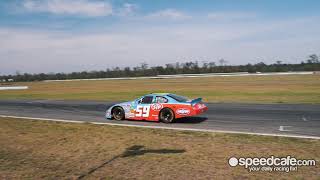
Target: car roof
[{"x": 158, "y": 94}]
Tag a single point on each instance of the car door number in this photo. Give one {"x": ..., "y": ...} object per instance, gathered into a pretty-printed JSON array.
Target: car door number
[{"x": 142, "y": 111}]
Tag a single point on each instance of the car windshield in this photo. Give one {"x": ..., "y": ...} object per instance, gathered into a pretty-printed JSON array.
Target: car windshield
[{"x": 178, "y": 98}]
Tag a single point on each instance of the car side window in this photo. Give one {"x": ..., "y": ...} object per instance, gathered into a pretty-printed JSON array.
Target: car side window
[
  {"x": 160, "y": 99},
  {"x": 147, "y": 100}
]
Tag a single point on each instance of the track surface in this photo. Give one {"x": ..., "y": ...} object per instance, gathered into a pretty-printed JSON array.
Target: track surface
[{"x": 288, "y": 119}]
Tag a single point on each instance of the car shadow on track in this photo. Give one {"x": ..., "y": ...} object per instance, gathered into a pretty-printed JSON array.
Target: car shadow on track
[
  {"x": 186, "y": 120},
  {"x": 190, "y": 120}
]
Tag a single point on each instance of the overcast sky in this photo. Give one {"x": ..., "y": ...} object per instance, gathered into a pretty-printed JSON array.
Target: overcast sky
[{"x": 66, "y": 35}]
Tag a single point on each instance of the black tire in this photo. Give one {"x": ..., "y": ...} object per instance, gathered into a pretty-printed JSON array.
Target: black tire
[
  {"x": 166, "y": 115},
  {"x": 118, "y": 113}
]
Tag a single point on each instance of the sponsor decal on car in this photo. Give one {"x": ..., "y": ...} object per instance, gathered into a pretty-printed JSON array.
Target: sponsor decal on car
[
  {"x": 131, "y": 115},
  {"x": 201, "y": 106},
  {"x": 156, "y": 107},
  {"x": 183, "y": 111}
]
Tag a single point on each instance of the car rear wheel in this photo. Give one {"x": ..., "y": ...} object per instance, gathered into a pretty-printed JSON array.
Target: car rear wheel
[
  {"x": 118, "y": 113},
  {"x": 166, "y": 115}
]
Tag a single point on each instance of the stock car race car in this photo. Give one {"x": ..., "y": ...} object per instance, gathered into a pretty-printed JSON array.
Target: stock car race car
[{"x": 162, "y": 107}]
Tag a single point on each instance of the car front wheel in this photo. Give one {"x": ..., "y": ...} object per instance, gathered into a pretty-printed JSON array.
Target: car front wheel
[
  {"x": 118, "y": 113},
  {"x": 166, "y": 115}
]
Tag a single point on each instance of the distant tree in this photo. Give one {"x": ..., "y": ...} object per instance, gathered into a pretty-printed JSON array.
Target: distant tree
[
  {"x": 177, "y": 65},
  {"x": 313, "y": 59},
  {"x": 212, "y": 64},
  {"x": 204, "y": 68},
  {"x": 222, "y": 62},
  {"x": 261, "y": 67},
  {"x": 144, "y": 66},
  {"x": 127, "y": 71},
  {"x": 251, "y": 68},
  {"x": 311, "y": 64},
  {"x": 195, "y": 67}
]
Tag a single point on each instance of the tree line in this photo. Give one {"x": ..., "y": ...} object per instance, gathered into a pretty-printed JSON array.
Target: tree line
[{"x": 192, "y": 67}]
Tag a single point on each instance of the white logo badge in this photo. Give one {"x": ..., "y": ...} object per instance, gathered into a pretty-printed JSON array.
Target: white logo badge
[
  {"x": 156, "y": 107},
  {"x": 183, "y": 111}
]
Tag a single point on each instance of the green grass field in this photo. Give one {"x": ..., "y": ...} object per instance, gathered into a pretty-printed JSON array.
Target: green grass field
[
  {"x": 52, "y": 150},
  {"x": 251, "y": 89}
]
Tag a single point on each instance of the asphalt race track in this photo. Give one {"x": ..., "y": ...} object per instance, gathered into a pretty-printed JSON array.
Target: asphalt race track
[{"x": 287, "y": 119}]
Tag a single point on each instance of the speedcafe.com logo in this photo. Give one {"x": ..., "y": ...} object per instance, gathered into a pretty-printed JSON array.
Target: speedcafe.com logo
[
  {"x": 156, "y": 107},
  {"x": 271, "y": 163}
]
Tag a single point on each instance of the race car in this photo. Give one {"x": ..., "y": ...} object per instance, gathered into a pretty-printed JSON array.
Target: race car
[{"x": 164, "y": 107}]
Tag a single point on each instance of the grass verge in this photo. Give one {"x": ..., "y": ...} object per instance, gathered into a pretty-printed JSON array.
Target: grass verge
[
  {"x": 249, "y": 89},
  {"x": 52, "y": 150}
]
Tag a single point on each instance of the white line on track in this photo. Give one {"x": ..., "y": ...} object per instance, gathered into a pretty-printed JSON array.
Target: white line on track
[
  {"x": 284, "y": 128},
  {"x": 13, "y": 87},
  {"x": 162, "y": 127}
]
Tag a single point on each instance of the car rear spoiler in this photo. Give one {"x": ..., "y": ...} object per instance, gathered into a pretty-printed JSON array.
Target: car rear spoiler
[{"x": 195, "y": 101}]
